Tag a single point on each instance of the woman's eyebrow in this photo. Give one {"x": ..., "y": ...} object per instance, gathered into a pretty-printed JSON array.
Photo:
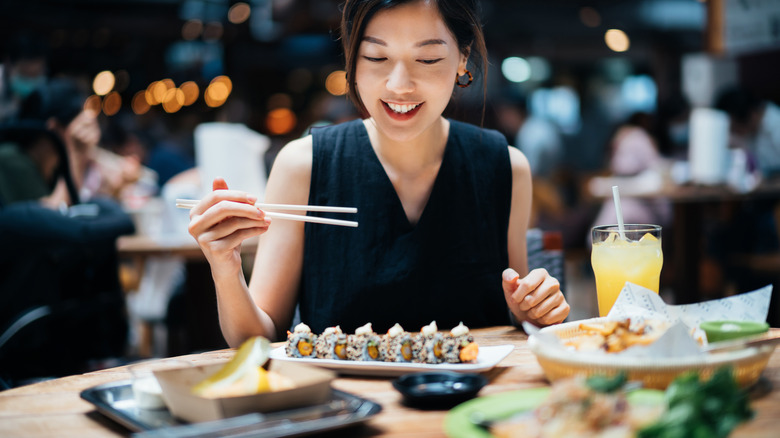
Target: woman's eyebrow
[{"x": 429, "y": 42}]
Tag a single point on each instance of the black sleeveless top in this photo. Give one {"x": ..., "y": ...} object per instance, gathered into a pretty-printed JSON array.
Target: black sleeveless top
[{"x": 446, "y": 268}]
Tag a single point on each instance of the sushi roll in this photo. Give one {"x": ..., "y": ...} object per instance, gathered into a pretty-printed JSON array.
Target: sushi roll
[
  {"x": 397, "y": 345},
  {"x": 459, "y": 345},
  {"x": 331, "y": 344},
  {"x": 364, "y": 345},
  {"x": 300, "y": 343},
  {"x": 429, "y": 345}
]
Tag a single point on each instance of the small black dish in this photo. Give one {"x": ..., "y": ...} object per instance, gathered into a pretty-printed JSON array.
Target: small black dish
[{"x": 438, "y": 390}]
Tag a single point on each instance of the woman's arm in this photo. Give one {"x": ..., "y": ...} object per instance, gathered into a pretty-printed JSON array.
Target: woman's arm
[
  {"x": 225, "y": 218},
  {"x": 533, "y": 296}
]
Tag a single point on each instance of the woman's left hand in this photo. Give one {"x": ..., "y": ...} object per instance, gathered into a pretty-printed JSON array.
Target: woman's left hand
[{"x": 537, "y": 298}]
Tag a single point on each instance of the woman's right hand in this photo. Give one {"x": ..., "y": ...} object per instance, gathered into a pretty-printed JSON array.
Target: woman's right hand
[{"x": 221, "y": 221}]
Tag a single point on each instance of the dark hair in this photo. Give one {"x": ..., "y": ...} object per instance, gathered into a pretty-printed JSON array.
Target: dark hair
[
  {"x": 462, "y": 18},
  {"x": 60, "y": 99}
]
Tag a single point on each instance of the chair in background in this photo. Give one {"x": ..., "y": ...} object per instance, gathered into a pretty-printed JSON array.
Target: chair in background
[{"x": 61, "y": 305}]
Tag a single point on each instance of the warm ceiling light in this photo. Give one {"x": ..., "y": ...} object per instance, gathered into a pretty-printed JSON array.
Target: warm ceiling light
[
  {"x": 225, "y": 81},
  {"x": 93, "y": 104},
  {"x": 239, "y": 13},
  {"x": 280, "y": 121},
  {"x": 336, "y": 83},
  {"x": 173, "y": 100},
  {"x": 149, "y": 94},
  {"x": 590, "y": 17},
  {"x": 191, "y": 29},
  {"x": 139, "y": 103},
  {"x": 103, "y": 83},
  {"x": 191, "y": 92},
  {"x": 112, "y": 103},
  {"x": 212, "y": 31},
  {"x": 217, "y": 91},
  {"x": 617, "y": 40}
]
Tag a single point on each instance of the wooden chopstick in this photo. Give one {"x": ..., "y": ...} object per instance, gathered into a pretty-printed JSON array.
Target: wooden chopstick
[{"x": 189, "y": 203}]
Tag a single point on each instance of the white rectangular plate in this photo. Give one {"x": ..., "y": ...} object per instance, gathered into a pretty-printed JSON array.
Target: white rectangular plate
[{"x": 488, "y": 358}]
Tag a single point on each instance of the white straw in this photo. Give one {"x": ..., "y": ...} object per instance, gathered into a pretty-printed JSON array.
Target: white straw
[
  {"x": 189, "y": 203},
  {"x": 619, "y": 212}
]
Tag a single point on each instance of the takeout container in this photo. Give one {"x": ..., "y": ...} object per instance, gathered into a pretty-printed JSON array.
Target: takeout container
[
  {"x": 655, "y": 373},
  {"x": 312, "y": 386}
]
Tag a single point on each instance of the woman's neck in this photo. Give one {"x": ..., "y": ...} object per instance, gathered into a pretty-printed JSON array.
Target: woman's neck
[{"x": 413, "y": 155}]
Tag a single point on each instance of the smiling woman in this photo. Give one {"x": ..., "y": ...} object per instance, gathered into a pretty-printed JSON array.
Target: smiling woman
[{"x": 443, "y": 206}]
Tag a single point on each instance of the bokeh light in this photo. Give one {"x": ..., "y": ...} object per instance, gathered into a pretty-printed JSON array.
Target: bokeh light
[
  {"x": 516, "y": 69},
  {"x": 239, "y": 13},
  {"x": 336, "y": 83},
  {"x": 93, "y": 103},
  {"x": 617, "y": 40},
  {"x": 590, "y": 17},
  {"x": 279, "y": 100},
  {"x": 103, "y": 83},
  {"x": 212, "y": 31},
  {"x": 139, "y": 103},
  {"x": 191, "y": 29},
  {"x": 173, "y": 100},
  {"x": 122, "y": 80},
  {"x": 280, "y": 121},
  {"x": 191, "y": 92},
  {"x": 112, "y": 103}
]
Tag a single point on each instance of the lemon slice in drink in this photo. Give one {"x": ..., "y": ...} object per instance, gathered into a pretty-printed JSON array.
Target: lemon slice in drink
[{"x": 240, "y": 372}]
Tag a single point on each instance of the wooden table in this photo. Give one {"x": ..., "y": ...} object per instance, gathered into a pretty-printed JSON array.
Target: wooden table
[{"x": 54, "y": 408}]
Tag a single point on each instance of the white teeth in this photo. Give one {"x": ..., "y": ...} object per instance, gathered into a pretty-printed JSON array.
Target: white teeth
[{"x": 402, "y": 109}]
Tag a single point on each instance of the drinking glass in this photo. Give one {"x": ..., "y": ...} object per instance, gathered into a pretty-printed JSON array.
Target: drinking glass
[{"x": 636, "y": 258}]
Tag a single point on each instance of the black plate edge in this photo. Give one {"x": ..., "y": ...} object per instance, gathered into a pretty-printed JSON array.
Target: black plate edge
[{"x": 367, "y": 409}]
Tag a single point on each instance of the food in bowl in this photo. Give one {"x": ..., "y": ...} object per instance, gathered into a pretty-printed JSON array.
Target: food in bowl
[
  {"x": 429, "y": 346},
  {"x": 575, "y": 408},
  {"x": 615, "y": 336},
  {"x": 726, "y": 330},
  {"x": 244, "y": 374}
]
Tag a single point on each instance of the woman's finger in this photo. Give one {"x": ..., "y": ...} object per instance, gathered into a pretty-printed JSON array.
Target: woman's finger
[{"x": 546, "y": 306}]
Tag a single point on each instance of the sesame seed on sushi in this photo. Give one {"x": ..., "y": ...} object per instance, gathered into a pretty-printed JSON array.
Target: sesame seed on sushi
[
  {"x": 331, "y": 344},
  {"x": 429, "y": 345},
  {"x": 300, "y": 342},
  {"x": 364, "y": 344},
  {"x": 459, "y": 345},
  {"x": 397, "y": 345}
]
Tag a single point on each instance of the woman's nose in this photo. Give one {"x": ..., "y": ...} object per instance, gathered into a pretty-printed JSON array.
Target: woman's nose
[{"x": 400, "y": 81}]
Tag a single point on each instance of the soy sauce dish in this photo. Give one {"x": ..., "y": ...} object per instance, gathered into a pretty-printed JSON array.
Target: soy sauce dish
[{"x": 438, "y": 389}]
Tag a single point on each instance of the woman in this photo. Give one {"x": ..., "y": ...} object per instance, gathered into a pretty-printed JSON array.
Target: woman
[{"x": 443, "y": 206}]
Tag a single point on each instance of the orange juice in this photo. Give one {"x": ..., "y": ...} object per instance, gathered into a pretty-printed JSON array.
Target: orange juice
[{"x": 615, "y": 261}]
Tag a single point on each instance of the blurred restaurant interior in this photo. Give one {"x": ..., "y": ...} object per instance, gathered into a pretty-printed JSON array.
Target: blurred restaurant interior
[{"x": 173, "y": 80}]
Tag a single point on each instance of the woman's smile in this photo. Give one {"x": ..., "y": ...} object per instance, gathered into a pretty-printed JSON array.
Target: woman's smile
[{"x": 403, "y": 111}]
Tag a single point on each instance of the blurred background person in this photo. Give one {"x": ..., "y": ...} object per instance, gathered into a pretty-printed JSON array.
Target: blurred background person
[
  {"x": 24, "y": 70},
  {"x": 634, "y": 158},
  {"x": 542, "y": 143},
  {"x": 755, "y": 128}
]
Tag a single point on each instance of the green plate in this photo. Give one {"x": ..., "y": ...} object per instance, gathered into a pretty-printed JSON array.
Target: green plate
[{"x": 459, "y": 422}]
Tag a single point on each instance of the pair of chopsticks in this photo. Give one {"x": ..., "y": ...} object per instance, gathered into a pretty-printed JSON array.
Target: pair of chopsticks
[{"x": 190, "y": 203}]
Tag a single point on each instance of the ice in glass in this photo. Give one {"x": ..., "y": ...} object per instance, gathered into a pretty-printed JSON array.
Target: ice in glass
[{"x": 637, "y": 258}]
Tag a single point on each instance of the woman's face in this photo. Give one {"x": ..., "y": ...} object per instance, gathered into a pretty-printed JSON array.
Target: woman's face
[{"x": 406, "y": 68}]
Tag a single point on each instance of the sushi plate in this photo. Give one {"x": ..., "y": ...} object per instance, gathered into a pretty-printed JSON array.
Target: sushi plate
[{"x": 488, "y": 357}]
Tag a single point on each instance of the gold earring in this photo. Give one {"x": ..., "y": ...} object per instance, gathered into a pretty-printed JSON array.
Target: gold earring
[{"x": 457, "y": 80}]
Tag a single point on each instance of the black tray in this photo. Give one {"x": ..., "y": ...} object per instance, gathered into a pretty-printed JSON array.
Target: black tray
[{"x": 115, "y": 400}]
